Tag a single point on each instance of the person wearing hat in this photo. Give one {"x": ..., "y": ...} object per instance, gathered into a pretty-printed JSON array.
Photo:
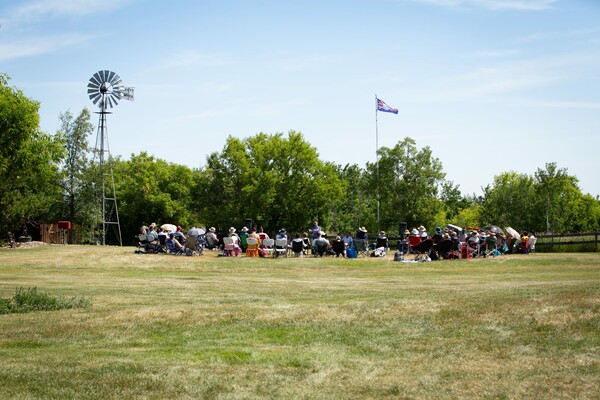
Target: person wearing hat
[
  {"x": 281, "y": 235},
  {"x": 382, "y": 241},
  {"x": 362, "y": 233},
  {"x": 179, "y": 235},
  {"x": 473, "y": 243},
  {"x": 437, "y": 236},
  {"x": 236, "y": 241},
  {"x": 423, "y": 233},
  {"x": 212, "y": 241},
  {"x": 243, "y": 237}
]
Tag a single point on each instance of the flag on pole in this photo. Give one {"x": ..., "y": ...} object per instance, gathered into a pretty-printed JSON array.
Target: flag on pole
[{"x": 381, "y": 106}]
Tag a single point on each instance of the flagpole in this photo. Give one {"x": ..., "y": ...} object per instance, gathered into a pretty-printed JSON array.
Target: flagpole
[{"x": 377, "y": 160}]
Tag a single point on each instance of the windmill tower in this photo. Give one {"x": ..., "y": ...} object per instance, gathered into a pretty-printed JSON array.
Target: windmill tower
[{"x": 105, "y": 90}]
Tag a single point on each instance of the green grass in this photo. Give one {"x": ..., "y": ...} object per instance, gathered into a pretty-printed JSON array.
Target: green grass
[{"x": 239, "y": 328}]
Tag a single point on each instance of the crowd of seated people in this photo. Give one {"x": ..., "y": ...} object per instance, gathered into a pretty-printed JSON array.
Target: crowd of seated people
[{"x": 447, "y": 243}]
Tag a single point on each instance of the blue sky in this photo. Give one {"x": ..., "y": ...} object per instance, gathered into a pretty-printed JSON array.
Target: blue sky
[{"x": 490, "y": 85}]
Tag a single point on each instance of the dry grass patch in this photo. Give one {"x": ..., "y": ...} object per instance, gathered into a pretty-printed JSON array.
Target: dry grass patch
[{"x": 234, "y": 328}]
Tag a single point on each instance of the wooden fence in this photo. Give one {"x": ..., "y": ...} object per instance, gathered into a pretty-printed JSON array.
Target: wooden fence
[{"x": 549, "y": 241}]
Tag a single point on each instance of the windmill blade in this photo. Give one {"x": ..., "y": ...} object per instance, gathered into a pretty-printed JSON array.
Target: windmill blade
[
  {"x": 96, "y": 78},
  {"x": 95, "y": 97},
  {"x": 110, "y": 77}
]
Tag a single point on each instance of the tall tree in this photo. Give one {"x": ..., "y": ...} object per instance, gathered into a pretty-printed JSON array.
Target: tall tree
[
  {"x": 408, "y": 181},
  {"x": 509, "y": 201},
  {"x": 276, "y": 180},
  {"x": 80, "y": 204},
  {"x": 152, "y": 190},
  {"x": 557, "y": 194},
  {"x": 357, "y": 206},
  {"x": 28, "y": 161}
]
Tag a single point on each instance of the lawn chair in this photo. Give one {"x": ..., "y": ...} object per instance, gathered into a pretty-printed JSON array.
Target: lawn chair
[
  {"x": 230, "y": 247},
  {"x": 445, "y": 250},
  {"x": 413, "y": 242},
  {"x": 193, "y": 245},
  {"x": 268, "y": 246},
  {"x": 298, "y": 247},
  {"x": 319, "y": 249},
  {"x": 252, "y": 249},
  {"x": 173, "y": 249},
  {"x": 361, "y": 247},
  {"x": 422, "y": 250},
  {"x": 281, "y": 247}
]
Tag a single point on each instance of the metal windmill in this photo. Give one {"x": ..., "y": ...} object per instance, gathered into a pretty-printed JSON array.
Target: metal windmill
[{"x": 105, "y": 90}]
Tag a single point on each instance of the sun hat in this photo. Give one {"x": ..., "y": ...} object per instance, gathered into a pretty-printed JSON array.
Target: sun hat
[
  {"x": 382, "y": 233},
  {"x": 232, "y": 230},
  {"x": 282, "y": 230},
  {"x": 362, "y": 229},
  {"x": 211, "y": 229},
  {"x": 244, "y": 229},
  {"x": 438, "y": 229},
  {"x": 152, "y": 225},
  {"x": 415, "y": 231},
  {"x": 422, "y": 228},
  {"x": 407, "y": 232}
]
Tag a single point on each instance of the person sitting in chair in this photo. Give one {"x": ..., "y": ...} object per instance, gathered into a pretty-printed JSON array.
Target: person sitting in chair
[
  {"x": 298, "y": 245},
  {"x": 382, "y": 241},
  {"x": 339, "y": 247},
  {"x": 173, "y": 244},
  {"x": 320, "y": 245},
  {"x": 212, "y": 242}
]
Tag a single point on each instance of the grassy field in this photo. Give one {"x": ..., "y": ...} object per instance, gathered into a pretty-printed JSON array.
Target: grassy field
[{"x": 239, "y": 328}]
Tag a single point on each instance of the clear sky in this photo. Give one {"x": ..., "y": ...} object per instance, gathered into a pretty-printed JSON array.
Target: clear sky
[{"x": 490, "y": 85}]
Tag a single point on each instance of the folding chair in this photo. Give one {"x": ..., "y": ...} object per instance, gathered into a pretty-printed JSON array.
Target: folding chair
[
  {"x": 298, "y": 247},
  {"x": 193, "y": 244},
  {"x": 230, "y": 246},
  {"x": 252, "y": 249},
  {"x": 173, "y": 249},
  {"x": 445, "y": 249},
  {"x": 361, "y": 246},
  {"x": 422, "y": 250},
  {"x": 281, "y": 247},
  {"x": 268, "y": 246},
  {"x": 413, "y": 242}
]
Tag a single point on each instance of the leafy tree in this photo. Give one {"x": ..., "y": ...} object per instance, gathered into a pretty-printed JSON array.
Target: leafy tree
[
  {"x": 558, "y": 192},
  {"x": 357, "y": 206},
  {"x": 80, "y": 202},
  {"x": 408, "y": 182},
  {"x": 29, "y": 159},
  {"x": 152, "y": 190},
  {"x": 276, "y": 180},
  {"x": 509, "y": 201}
]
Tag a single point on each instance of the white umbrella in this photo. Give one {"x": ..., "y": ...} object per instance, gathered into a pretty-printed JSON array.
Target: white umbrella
[
  {"x": 169, "y": 228},
  {"x": 196, "y": 232},
  {"x": 513, "y": 233},
  {"x": 454, "y": 227}
]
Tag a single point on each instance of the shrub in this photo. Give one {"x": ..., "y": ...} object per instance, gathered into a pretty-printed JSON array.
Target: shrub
[{"x": 27, "y": 300}]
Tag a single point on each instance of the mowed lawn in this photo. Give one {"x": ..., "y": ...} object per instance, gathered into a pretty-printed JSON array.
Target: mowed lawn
[{"x": 167, "y": 327}]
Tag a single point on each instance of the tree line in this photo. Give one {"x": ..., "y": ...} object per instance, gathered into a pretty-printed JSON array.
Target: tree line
[{"x": 277, "y": 180}]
